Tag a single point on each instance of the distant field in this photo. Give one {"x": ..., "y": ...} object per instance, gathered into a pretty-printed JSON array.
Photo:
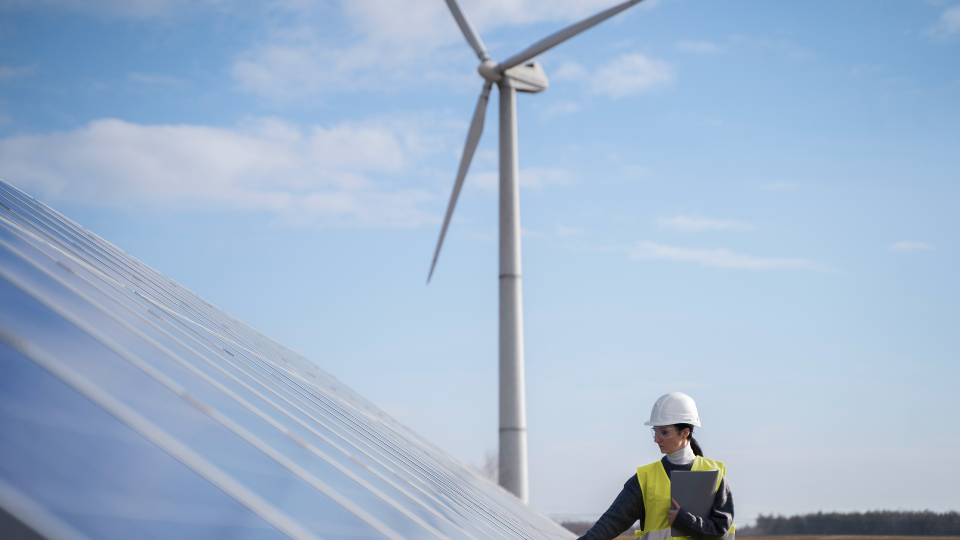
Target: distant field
[
  {"x": 838, "y": 537},
  {"x": 821, "y": 537}
]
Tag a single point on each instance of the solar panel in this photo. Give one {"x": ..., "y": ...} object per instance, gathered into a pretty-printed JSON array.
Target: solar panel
[{"x": 131, "y": 407}]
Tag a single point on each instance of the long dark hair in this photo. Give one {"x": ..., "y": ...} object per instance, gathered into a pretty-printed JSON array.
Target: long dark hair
[{"x": 694, "y": 445}]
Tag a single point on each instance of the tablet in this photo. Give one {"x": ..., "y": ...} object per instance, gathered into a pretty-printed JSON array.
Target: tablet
[{"x": 694, "y": 491}]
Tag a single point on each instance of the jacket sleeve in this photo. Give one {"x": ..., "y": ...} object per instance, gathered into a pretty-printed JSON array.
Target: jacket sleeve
[
  {"x": 625, "y": 510},
  {"x": 719, "y": 521}
]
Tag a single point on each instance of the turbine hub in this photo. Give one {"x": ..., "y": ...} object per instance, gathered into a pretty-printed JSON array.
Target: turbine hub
[{"x": 490, "y": 71}]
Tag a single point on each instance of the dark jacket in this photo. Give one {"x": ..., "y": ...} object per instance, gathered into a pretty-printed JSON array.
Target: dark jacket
[{"x": 627, "y": 508}]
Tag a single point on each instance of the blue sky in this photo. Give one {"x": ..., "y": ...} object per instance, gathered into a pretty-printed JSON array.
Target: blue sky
[{"x": 751, "y": 202}]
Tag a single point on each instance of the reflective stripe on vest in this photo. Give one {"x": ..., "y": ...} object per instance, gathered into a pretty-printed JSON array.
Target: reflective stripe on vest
[{"x": 655, "y": 487}]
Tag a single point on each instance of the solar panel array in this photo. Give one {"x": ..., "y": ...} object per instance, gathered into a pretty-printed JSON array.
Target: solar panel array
[{"x": 131, "y": 407}]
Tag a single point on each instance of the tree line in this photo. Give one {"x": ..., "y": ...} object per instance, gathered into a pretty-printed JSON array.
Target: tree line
[
  {"x": 874, "y": 523},
  {"x": 879, "y": 522}
]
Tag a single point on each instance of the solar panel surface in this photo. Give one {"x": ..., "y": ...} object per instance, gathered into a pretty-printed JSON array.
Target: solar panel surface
[{"x": 131, "y": 407}]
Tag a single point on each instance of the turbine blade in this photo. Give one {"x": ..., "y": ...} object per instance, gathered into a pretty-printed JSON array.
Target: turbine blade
[
  {"x": 473, "y": 137},
  {"x": 559, "y": 37},
  {"x": 473, "y": 38}
]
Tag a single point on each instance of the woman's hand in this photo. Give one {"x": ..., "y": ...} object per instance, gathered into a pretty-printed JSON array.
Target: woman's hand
[{"x": 672, "y": 514}]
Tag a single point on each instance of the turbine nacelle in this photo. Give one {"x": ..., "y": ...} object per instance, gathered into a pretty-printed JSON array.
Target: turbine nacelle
[{"x": 528, "y": 77}]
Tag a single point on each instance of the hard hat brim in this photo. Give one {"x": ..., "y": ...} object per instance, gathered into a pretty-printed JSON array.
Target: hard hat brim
[{"x": 694, "y": 424}]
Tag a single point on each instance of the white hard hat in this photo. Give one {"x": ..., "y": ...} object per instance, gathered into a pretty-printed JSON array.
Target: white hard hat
[{"x": 674, "y": 408}]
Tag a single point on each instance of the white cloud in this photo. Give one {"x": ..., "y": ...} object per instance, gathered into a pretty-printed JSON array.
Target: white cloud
[
  {"x": 394, "y": 42},
  {"x": 906, "y": 246},
  {"x": 9, "y": 73},
  {"x": 700, "y": 223},
  {"x": 699, "y": 47},
  {"x": 570, "y": 71},
  {"x": 302, "y": 48},
  {"x": 382, "y": 16},
  {"x": 342, "y": 175},
  {"x": 629, "y": 74},
  {"x": 296, "y": 62},
  {"x": 407, "y": 19},
  {"x": 561, "y": 107},
  {"x": 950, "y": 19},
  {"x": 722, "y": 258},
  {"x": 291, "y": 70},
  {"x": 948, "y": 24}
]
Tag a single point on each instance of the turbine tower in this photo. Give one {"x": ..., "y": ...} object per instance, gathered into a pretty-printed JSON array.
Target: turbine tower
[{"x": 515, "y": 74}]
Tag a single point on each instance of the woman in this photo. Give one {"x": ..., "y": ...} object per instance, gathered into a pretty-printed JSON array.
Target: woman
[{"x": 646, "y": 495}]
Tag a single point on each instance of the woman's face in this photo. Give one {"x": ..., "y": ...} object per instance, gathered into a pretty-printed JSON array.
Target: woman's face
[{"x": 669, "y": 440}]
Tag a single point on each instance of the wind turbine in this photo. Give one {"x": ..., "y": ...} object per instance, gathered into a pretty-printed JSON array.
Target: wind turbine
[{"x": 515, "y": 74}]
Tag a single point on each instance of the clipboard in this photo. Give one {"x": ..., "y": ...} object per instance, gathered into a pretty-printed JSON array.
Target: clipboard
[{"x": 695, "y": 491}]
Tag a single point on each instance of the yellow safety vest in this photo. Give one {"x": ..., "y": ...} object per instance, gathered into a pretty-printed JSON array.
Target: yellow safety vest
[{"x": 655, "y": 485}]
